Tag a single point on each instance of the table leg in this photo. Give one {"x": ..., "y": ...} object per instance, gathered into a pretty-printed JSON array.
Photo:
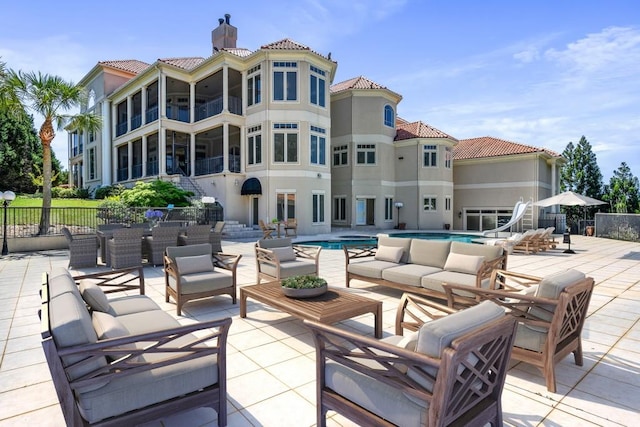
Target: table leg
[
  {"x": 377, "y": 316},
  {"x": 243, "y": 304}
]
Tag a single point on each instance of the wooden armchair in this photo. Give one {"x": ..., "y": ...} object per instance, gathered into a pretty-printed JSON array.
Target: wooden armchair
[
  {"x": 277, "y": 259},
  {"x": 550, "y": 312},
  {"x": 291, "y": 227},
  {"x": 453, "y": 372},
  {"x": 267, "y": 231},
  {"x": 193, "y": 272},
  {"x": 83, "y": 249}
]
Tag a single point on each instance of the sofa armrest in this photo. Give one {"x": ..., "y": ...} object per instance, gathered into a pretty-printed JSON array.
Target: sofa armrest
[
  {"x": 117, "y": 280},
  {"x": 489, "y": 266},
  {"x": 379, "y": 360},
  {"x": 413, "y": 311},
  {"x": 213, "y": 333},
  {"x": 355, "y": 251},
  {"x": 266, "y": 256}
]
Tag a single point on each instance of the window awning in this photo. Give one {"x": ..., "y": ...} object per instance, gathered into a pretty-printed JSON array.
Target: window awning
[{"x": 251, "y": 187}]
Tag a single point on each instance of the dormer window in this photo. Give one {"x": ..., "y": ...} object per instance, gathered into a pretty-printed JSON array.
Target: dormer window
[{"x": 389, "y": 116}]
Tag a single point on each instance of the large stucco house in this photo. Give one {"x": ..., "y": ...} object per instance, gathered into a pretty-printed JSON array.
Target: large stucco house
[{"x": 268, "y": 134}]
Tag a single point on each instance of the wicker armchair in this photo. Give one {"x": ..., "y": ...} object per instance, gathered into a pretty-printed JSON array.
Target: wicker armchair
[
  {"x": 125, "y": 248},
  {"x": 154, "y": 246},
  {"x": 83, "y": 249},
  {"x": 195, "y": 235}
]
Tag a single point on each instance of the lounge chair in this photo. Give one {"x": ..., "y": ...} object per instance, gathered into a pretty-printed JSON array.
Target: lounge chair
[
  {"x": 547, "y": 239},
  {"x": 530, "y": 242},
  {"x": 507, "y": 243}
]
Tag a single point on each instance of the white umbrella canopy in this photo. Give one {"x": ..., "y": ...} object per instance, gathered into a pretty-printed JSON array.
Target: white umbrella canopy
[{"x": 569, "y": 198}]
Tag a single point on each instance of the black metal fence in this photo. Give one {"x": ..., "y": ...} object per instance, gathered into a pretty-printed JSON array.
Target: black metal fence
[
  {"x": 618, "y": 226},
  {"x": 24, "y": 221}
]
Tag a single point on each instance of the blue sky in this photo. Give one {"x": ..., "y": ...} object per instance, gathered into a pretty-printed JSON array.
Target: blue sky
[{"x": 537, "y": 72}]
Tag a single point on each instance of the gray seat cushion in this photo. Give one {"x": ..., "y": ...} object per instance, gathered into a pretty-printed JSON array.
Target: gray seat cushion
[
  {"x": 147, "y": 321},
  {"x": 290, "y": 268},
  {"x": 202, "y": 282},
  {"x": 408, "y": 274},
  {"x": 131, "y": 304},
  {"x": 371, "y": 269}
]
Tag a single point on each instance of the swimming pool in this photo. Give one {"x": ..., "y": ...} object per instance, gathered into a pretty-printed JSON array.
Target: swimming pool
[{"x": 372, "y": 240}]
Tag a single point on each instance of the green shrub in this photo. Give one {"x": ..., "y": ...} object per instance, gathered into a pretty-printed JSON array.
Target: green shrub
[
  {"x": 114, "y": 210},
  {"x": 157, "y": 193},
  {"x": 108, "y": 191}
]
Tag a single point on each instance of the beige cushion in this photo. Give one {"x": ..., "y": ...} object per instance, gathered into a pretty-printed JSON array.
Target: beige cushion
[
  {"x": 429, "y": 252},
  {"x": 389, "y": 253},
  {"x": 94, "y": 296},
  {"x": 107, "y": 326},
  {"x": 550, "y": 287},
  {"x": 463, "y": 263},
  {"x": 285, "y": 253},
  {"x": 194, "y": 264},
  {"x": 397, "y": 242},
  {"x": 488, "y": 252}
]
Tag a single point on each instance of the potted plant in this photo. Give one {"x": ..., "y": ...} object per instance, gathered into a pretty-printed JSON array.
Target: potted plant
[{"x": 303, "y": 286}]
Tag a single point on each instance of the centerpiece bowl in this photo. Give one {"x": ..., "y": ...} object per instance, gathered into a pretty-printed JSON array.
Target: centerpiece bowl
[{"x": 304, "y": 286}]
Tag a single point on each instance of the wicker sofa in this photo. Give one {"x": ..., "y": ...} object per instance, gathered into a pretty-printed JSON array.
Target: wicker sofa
[
  {"x": 123, "y": 360},
  {"x": 422, "y": 266}
]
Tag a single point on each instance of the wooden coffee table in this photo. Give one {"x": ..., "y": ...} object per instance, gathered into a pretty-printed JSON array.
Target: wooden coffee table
[{"x": 335, "y": 305}]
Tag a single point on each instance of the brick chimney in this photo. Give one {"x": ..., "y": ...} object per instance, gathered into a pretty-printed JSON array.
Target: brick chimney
[{"x": 226, "y": 35}]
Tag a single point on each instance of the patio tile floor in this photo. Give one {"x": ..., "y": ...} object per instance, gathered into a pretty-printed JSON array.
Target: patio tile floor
[{"x": 271, "y": 369}]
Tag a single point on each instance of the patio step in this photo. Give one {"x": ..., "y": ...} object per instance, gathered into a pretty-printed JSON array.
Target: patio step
[{"x": 236, "y": 230}]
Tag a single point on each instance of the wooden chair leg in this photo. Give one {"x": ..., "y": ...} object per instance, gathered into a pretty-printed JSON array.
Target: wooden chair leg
[{"x": 577, "y": 355}]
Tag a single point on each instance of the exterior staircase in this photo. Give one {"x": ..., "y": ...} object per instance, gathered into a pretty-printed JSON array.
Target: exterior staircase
[
  {"x": 234, "y": 230},
  {"x": 188, "y": 184}
]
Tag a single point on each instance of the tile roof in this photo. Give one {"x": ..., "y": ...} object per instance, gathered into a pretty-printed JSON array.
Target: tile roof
[
  {"x": 186, "y": 63},
  {"x": 238, "y": 51},
  {"x": 359, "y": 82},
  {"x": 288, "y": 44},
  {"x": 406, "y": 130},
  {"x": 488, "y": 146},
  {"x": 129, "y": 65}
]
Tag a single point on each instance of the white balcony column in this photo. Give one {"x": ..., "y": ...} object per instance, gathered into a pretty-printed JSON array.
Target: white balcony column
[
  {"x": 162, "y": 151},
  {"x": 162, "y": 114},
  {"x": 225, "y": 88},
  {"x": 554, "y": 173},
  {"x": 129, "y": 112},
  {"x": 144, "y": 155},
  {"x": 114, "y": 125},
  {"x": 244, "y": 99},
  {"x": 143, "y": 107},
  {"x": 192, "y": 155},
  {"x": 114, "y": 167},
  {"x": 105, "y": 144},
  {"x": 225, "y": 147},
  {"x": 129, "y": 160},
  {"x": 192, "y": 102},
  {"x": 243, "y": 145},
  {"x": 85, "y": 159}
]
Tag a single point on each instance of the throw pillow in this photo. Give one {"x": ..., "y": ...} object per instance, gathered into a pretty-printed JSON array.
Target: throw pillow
[
  {"x": 94, "y": 296},
  {"x": 194, "y": 264},
  {"x": 108, "y": 327},
  {"x": 284, "y": 253},
  {"x": 389, "y": 253},
  {"x": 463, "y": 263}
]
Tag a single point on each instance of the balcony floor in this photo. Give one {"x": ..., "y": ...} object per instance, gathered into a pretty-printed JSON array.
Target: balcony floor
[{"x": 273, "y": 350}]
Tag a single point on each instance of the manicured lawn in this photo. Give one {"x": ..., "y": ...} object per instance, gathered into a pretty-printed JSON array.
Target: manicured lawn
[
  {"x": 26, "y": 202},
  {"x": 79, "y": 212}
]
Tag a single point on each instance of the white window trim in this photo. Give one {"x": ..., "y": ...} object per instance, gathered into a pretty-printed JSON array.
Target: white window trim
[
  {"x": 366, "y": 150},
  {"x": 429, "y": 196},
  {"x": 322, "y": 207}
]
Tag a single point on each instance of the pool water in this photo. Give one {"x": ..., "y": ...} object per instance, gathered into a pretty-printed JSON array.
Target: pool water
[{"x": 357, "y": 240}]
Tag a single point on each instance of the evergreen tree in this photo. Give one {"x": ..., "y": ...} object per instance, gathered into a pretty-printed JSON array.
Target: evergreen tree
[
  {"x": 19, "y": 150},
  {"x": 623, "y": 191},
  {"x": 581, "y": 174}
]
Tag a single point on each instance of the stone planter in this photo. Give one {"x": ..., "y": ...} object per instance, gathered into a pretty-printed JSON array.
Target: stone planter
[{"x": 305, "y": 292}]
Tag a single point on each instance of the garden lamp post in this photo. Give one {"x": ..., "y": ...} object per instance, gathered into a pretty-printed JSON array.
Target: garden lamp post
[
  {"x": 6, "y": 197},
  {"x": 398, "y": 205}
]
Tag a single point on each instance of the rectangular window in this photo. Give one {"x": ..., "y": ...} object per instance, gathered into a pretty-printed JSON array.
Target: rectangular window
[
  {"x": 366, "y": 154},
  {"x": 285, "y": 206},
  {"x": 447, "y": 203},
  {"x": 254, "y": 86},
  {"x": 340, "y": 155},
  {"x": 317, "y": 86},
  {"x": 318, "y": 146},
  {"x": 448, "y": 157},
  {"x": 318, "y": 208},
  {"x": 285, "y": 81},
  {"x": 430, "y": 156},
  {"x": 388, "y": 208},
  {"x": 92, "y": 163},
  {"x": 254, "y": 145},
  {"x": 285, "y": 143},
  {"x": 340, "y": 209},
  {"x": 429, "y": 204}
]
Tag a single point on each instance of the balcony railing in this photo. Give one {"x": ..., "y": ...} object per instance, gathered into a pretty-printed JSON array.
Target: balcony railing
[
  {"x": 214, "y": 107},
  {"x": 121, "y": 128},
  {"x": 136, "y": 121},
  {"x": 210, "y": 165},
  {"x": 136, "y": 171},
  {"x": 178, "y": 112},
  {"x": 152, "y": 168},
  {"x": 123, "y": 174},
  {"x": 152, "y": 114}
]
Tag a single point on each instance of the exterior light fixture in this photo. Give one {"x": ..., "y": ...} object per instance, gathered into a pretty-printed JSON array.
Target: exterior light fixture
[
  {"x": 6, "y": 198},
  {"x": 398, "y": 205}
]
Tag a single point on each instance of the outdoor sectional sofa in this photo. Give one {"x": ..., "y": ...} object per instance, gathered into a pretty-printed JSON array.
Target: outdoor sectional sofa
[
  {"x": 422, "y": 266},
  {"x": 123, "y": 360}
]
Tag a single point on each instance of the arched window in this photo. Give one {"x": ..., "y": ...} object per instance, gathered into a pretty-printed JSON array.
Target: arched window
[
  {"x": 389, "y": 116},
  {"x": 92, "y": 99}
]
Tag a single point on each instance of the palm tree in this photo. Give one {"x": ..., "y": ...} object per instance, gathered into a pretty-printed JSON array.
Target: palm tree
[{"x": 51, "y": 97}]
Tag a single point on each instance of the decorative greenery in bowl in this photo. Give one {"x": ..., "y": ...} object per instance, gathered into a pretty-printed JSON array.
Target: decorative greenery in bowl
[
  {"x": 304, "y": 286},
  {"x": 303, "y": 282}
]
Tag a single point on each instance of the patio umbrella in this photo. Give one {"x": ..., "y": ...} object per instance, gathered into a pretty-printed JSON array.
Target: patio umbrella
[{"x": 569, "y": 198}]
